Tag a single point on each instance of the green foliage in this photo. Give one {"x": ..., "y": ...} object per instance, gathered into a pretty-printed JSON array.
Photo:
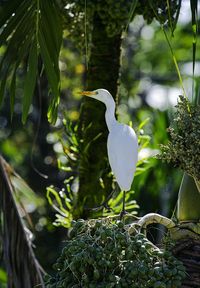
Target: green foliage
[
  {"x": 194, "y": 12},
  {"x": 102, "y": 253},
  {"x": 183, "y": 149},
  {"x": 116, "y": 15},
  {"x": 30, "y": 29},
  {"x": 166, "y": 12},
  {"x": 62, "y": 203},
  {"x": 3, "y": 278},
  {"x": 65, "y": 200},
  {"x": 114, "y": 205}
]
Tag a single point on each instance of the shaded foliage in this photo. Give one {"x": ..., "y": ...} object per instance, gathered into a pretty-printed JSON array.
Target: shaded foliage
[
  {"x": 30, "y": 29},
  {"x": 22, "y": 268}
]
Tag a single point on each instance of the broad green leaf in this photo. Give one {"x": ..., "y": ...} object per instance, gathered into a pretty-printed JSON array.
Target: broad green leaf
[
  {"x": 52, "y": 76},
  {"x": 30, "y": 80},
  {"x": 23, "y": 23},
  {"x": 49, "y": 67},
  {"x": 51, "y": 22},
  {"x": 9, "y": 59},
  {"x": 50, "y": 38},
  {"x": 3, "y": 276},
  {"x": 194, "y": 12},
  {"x": 193, "y": 7}
]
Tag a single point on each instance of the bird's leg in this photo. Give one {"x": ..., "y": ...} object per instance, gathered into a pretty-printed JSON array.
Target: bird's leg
[{"x": 123, "y": 212}]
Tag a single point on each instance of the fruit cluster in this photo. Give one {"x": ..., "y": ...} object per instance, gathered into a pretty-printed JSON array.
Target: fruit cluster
[
  {"x": 183, "y": 149},
  {"x": 103, "y": 254}
]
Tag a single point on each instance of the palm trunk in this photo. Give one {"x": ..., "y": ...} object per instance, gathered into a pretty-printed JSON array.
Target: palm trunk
[
  {"x": 188, "y": 251},
  {"x": 23, "y": 269},
  {"x": 103, "y": 72}
]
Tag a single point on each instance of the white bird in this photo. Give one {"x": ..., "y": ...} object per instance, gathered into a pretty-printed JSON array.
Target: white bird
[{"x": 122, "y": 144}]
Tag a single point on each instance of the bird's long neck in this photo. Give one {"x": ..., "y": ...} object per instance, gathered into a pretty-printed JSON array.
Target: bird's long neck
[{"x": 110, "y": 116}]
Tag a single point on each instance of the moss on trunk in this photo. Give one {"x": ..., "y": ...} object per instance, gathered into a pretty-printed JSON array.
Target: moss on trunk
[{"x": 103, "y": 72}]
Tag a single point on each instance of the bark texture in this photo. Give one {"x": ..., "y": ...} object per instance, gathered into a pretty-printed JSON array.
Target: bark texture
[
  {"x": 188, "y": 251},
  {"x": 103, "y": 72},
  {"x": 23, "y": 269}
]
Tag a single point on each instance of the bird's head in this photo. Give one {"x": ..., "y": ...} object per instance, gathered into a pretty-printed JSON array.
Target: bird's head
[{"x": 102, "y": 95}]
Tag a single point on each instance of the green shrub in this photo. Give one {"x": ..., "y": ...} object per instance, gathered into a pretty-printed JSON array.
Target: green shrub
[{"x": 183, "y": 148}]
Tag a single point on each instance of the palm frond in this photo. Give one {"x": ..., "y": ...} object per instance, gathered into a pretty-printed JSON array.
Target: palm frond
[
  {"x": 22, "y": 267},
  {"x": 194, "y": 12},
  {"x": 30, "y": 29}
]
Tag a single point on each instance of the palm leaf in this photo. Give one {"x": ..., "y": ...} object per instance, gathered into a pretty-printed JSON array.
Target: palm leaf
[
  {"x": 30, "y": 29},
  {"x": 193, "y": 6},
  {"x": 30, "y": 81},
  {"x": 22, "y": 267},
  {"x": 50, "y": 39},
  {"x": 8, "y": 10}
]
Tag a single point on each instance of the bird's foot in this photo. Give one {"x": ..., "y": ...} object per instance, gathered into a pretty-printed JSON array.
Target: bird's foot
[{"x": 122, "y": 213}]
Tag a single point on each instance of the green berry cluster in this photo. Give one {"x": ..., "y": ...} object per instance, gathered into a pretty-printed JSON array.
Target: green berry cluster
[
  {"x": 183, "y": 149},
  {"x": 103, "y": 254}
]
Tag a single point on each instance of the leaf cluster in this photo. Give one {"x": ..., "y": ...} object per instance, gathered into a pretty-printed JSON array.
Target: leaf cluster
[
  {"x": 30, "y": 30},
  {"x": 64, "y": 200},
  {"x": 165, "y": 12},
  {"x": 116, "y": 15},
  {"x": 102, "y": 253},
  {"x": 183, "y": 149}
]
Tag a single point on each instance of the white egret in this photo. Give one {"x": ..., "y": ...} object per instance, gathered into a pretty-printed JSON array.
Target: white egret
[{"x": 122, "y": 143}]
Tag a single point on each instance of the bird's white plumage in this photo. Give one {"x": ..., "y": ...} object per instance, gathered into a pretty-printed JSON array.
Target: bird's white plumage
[
  {"x": 122, "y": 142},
  {"x": 123, "y": 154}
]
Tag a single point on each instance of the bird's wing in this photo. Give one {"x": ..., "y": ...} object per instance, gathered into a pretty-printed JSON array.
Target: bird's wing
[{"x": 123, "y": 154}]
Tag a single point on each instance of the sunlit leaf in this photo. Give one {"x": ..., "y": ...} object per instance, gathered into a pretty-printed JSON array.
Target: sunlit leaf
[
  {"x": 22, "y": 187},
  {"x": 3, "y": 276}
]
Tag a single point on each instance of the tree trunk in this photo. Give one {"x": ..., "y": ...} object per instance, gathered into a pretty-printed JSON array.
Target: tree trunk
[
  {"x": 103, "y": 72},
  {"x": 188, "y": 251},
  {"x": 23, "y": 269}
]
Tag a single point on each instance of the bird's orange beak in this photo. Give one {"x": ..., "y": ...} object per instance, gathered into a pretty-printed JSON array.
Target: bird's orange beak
[{"x": 88, "y": 93}]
